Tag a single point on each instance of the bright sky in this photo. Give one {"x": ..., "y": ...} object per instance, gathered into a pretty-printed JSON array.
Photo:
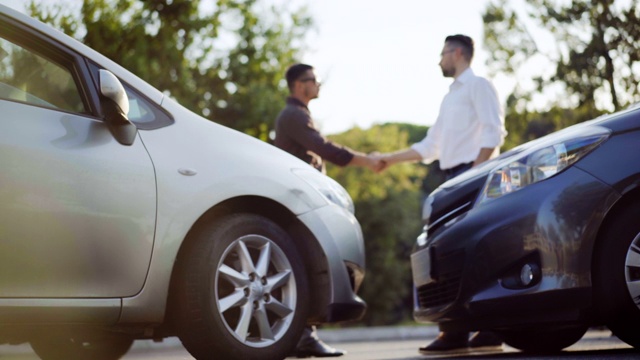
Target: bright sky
[{"x": 378, "y": 60}]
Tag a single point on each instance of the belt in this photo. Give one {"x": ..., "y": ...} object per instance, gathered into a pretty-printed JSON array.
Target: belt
[{"x": 456, "y": 168}]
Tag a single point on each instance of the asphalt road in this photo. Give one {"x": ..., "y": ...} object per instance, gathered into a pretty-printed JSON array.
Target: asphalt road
[{"x": 594, "y": 345}]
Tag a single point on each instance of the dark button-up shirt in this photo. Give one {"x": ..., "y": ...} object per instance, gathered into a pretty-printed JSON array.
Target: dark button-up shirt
[{"x": 297, "y": 135}]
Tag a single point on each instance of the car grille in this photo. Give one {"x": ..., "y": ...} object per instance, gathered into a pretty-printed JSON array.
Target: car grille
[{"x": 448, "y": 269}]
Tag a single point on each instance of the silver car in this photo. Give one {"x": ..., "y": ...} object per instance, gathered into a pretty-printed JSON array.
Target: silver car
[{"x": 125, "y": 216}]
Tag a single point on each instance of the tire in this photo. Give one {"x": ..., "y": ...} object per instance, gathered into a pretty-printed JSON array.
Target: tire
[
  {"x": 241, "y": 291},
  {"x": 544, "y": 340},
  {"x": 616, "y": 275},
  {"x": 97, "y": 346}
]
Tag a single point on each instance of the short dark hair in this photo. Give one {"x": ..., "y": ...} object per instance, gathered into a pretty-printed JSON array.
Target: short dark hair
[
  {"x": 464, "y": 42},
  {"x": 294, "y": 72}
]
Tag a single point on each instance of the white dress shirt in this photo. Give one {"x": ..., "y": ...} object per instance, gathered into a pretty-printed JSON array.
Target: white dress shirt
[{"x": 470, "y": 118}]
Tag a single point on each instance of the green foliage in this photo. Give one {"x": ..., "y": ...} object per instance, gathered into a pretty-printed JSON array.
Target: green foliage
[
  {"x": 226, "y": 65},
  {"x": 388, "y": 207},
  {"x": 414, "y": 132},
  {"x": 526, "y": 125},
  {"x": 597, "y": 47},
  {"x": 508, "y": 41},
  {"x": 594, "y": 67}
]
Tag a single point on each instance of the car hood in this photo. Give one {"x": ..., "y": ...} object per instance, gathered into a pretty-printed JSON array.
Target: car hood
[
  {"x": 458, "y": 194},
  {"x": 199, "y": 163}
]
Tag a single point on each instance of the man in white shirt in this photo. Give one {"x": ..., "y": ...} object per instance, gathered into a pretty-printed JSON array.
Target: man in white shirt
[
  {"x": 468, "y": 131},
  {"x": 470, "y": 127}
]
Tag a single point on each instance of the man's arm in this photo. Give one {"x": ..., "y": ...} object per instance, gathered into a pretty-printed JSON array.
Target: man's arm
[
  {"x": 487, "y": 105},
  {"x": 301, "y": 129},
  {"x": 399, "y": 156},
  {"x": 405, "y": 155},
  {"x": 484, "y": 155}
]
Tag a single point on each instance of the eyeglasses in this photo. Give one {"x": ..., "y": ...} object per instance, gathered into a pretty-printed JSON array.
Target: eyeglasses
[{"x": 315, "y": 81}]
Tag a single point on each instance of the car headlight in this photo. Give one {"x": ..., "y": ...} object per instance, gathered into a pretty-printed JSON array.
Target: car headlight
[
  {"x": 422, "y": 238},
  {"x": 540, "y": 162},
  {"x": 329, "y": 188}
]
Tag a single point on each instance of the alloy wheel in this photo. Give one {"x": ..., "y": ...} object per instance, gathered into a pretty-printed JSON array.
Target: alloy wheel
[{"x": 255, "y": 290}]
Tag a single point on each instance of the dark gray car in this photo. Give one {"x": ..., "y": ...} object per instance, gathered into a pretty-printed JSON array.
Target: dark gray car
[{"x": 540, "y": 243}]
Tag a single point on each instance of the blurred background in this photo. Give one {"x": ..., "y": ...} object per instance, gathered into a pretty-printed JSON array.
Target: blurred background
[{"x": 554, "y": 64}]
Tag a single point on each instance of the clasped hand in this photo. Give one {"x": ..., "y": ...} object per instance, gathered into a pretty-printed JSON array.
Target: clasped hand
[{"x": 377, "y": 162}]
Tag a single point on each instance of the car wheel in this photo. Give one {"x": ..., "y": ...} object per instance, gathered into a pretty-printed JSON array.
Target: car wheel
[
  {"x": 241, "y": 291},
  {"x": 104, "y": 346},
  {"x": 543, "y": 340},
  {"x": 616, "y": 276}
]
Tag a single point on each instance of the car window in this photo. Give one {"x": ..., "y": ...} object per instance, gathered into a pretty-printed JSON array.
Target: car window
[
  {"x": 142, "y": 112},
  {"x": 145, "y": 114},
  {"x": 31, "y": 78}
]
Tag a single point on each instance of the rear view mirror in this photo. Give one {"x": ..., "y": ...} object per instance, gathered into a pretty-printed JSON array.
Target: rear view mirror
[{"x": 115, "y": 106}]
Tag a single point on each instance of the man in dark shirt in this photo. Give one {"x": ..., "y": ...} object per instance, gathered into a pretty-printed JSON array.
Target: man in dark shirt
[{"x": 296, "y": 134}]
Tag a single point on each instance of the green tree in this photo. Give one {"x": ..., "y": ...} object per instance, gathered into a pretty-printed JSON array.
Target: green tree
[
  {"x": 388, "y": 207},
  {"x": 226, "y": 64},
  {"x": 593, "y": 65}
]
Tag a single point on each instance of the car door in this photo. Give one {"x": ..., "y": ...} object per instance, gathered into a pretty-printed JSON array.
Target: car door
[{"x": 77, "y": 208}]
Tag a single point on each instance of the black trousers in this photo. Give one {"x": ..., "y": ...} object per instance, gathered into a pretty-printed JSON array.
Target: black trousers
[
  {"x": 450, "y": 174},
  {"x": 456, "y": 170}
]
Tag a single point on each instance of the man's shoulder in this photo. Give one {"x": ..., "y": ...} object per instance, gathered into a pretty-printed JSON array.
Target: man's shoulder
[
  {"x": 479, "y": 82},
  {"x": 470, "y": 76},
  {"x": 294, "y": 112}
]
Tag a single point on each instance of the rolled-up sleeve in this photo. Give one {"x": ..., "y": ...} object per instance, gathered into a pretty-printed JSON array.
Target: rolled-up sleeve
[
  {"x": 490, "y": 115},
  {"x": 428, "y": 147}
]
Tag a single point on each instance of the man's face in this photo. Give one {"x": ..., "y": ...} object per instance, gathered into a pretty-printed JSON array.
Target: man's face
[
  {"x": 309, "y": 84},
  {"x": 447, "y": 60}
]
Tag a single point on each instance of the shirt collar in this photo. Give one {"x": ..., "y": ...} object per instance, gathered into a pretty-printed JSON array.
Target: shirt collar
[{"x": 465, "y": 76}]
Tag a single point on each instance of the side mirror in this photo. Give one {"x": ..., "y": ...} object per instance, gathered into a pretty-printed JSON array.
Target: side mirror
[{"x": 115, "y": 106}]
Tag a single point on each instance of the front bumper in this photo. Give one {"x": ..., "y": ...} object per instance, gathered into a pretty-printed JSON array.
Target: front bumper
[
  {"x": 340, "y": 236},
  {"x": 475, "y": 259}
]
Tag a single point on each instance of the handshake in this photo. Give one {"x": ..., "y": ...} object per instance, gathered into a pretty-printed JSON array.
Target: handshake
[{"x": 377, "y": 162}]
